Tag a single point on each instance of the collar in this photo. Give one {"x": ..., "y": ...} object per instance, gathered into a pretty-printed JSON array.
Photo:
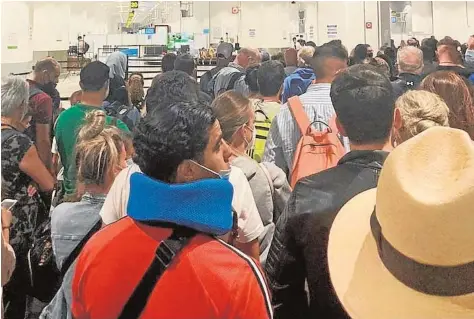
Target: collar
[
  {"x": 367, "y": 158},
  {"x": 93, "y": 198},
  {"x": 319, "y": 87},
  {"x": 204, "y": 205},
  {"x": 237, "y": 66}
]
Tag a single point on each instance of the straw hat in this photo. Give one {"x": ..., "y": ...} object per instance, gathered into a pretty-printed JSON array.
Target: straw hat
[{"x": 424, "y": 225}]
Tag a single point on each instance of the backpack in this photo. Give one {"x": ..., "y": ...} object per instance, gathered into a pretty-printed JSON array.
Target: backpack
[
  {"x": 262, "y": 127},
  {"x": 123, "y": 113},
  {"x": 233, "y": 75},
  {"x": 297, "y": 83},
  {"x": 316, "y": 151}
]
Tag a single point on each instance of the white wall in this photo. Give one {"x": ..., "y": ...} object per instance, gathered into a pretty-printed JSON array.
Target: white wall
[
  {"x": 16, "y": 26},
  {"x": 275, "y": 22}
]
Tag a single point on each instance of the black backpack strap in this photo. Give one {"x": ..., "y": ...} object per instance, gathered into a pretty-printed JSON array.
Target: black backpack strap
[
  {"x": 164, "y": 255},
  {"x": 233, "y": 79},
  {"x": 77, "y": 250}
]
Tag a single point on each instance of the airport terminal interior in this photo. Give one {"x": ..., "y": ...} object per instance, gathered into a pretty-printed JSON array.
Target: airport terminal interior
[{"x": 237, "y": 159}]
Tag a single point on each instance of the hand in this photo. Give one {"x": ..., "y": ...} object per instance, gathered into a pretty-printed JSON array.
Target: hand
[{"x": 6, "y": 218}]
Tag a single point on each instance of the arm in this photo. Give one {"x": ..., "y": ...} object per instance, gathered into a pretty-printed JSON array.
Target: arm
[
  {"x": 282, "y": 190},
  {"x": 251, "y": 248},
  {"x": 43, "y": 144},
  {"x": 32, "y": 165},
  {"x": 285, "y": 267},
  {"x": 273, "y": 147}
]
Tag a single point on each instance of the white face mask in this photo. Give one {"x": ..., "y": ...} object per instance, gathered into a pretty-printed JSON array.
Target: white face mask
[
  {"x": 223, "y": 173},
  {"x": 251, "y": 143}
]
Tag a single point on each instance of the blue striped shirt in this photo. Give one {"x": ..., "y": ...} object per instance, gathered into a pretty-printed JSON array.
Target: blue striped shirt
[{"x": 284, "y": 133}]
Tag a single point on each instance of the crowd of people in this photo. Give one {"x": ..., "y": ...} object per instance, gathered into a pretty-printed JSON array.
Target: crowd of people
[{"x": 318, "y": 183}]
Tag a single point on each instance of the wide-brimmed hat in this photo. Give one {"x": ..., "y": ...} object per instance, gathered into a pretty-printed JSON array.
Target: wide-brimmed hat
[{"x": 406, "y": 249}]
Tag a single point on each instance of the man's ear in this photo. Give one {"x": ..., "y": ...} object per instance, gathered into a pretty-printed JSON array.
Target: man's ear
[
  {"x": 185, "y": 172},
  {"x": 340, "y": 128}
]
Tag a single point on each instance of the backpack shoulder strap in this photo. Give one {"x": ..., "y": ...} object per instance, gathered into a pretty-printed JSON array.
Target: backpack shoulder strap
[
  {"x": 165, "y": 253},
  {"x": 269, "y": 178},
  {"x": 77, "y": 250},
  {"x": 332, "y": 125},
  {"x": 299, "y": 114},
  {"x": 235, "y": 76}
]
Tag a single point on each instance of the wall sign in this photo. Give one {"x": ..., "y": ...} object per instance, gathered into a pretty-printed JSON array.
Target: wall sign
[
  {"x": 332, "y": 31},
  {"x": 133, "y": 4},
  {"x": 368, "y": 25},
  {"x": 252, "y": 33},
  {"x": 235, "y": 10}
]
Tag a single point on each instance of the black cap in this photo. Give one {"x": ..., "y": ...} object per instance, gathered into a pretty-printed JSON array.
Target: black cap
[{"x": 94, "y": 76}]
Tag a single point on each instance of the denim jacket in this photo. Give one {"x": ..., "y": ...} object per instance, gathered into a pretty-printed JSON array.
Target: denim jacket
[{"x": 70, "y": 222}]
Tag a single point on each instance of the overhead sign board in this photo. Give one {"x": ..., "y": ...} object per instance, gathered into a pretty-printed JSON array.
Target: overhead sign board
[{"x": 133, "y": 4}]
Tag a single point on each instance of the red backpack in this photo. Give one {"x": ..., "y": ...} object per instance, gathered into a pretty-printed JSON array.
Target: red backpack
[{"x": 316, "y": 151}]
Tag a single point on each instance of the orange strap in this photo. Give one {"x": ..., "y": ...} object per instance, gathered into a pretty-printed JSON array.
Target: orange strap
[
  {"x": 332, "y": 124},
  {"x": 299, "y": 114}
]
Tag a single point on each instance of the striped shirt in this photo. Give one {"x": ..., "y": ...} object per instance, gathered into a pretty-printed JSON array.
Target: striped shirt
[{"x": 284, "y": 133}]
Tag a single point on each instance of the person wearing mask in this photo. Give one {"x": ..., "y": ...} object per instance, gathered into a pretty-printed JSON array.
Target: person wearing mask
[
  {"x": 232, "y": 77},
  {"x": 364, "y": 104},
  {"x": 405, "y": 249},
  {"x": 457, "y": 92},
  {"x": 450, "y": 60},
  {"x": 223, "y": 58},
  {"x": 167, "y": 63},
  {"x": 419, "y": 110},
  {"x": 429, "y": 56},
  {"x": 168, "y": 89},
  {"x": 101, "y": 154},
  {"x": 410, "y": 66},
  {"x": 21, "y": 167},
  {"x": 291, "y": 61},
  {"x": 41, "y": 88},
  {"x": 185, "y": 63},
  {"x": 94, "y": 82},
  {"x": 269, "y": 185},
  {"x": 284, "y": 135},
  {"x": 298, "y": 82},
  {"x": 469, "y": 54},
  {"x": 181, "y": 154}
]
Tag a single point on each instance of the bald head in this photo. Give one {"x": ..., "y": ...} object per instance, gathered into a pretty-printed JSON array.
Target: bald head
[
  {"x": 248, "y": 57},
  {"x": 410, "y": 60}
]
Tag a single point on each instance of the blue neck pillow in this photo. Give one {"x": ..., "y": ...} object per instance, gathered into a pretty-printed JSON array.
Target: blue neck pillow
[{"x": 204, "y": 205}]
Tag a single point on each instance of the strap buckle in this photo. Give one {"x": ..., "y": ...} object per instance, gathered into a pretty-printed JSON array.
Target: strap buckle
[{"x": 165, "y": 254}]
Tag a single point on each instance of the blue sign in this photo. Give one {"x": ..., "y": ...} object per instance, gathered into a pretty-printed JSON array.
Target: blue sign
[
  {"x": 205, "y": 31},
  {"x": 149, "y": 30},
  {"x": 130, "y": 52},
  {"x": 394, "y": 19}
]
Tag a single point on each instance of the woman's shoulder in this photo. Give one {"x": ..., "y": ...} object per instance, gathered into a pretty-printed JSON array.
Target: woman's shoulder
[{"x": 14, "y": 140}]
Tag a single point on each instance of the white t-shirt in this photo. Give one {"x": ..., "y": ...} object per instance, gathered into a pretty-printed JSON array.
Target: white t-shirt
[{"x": 250, "y": 225}]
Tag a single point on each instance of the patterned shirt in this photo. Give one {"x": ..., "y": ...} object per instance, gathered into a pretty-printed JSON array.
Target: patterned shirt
[{"x": 284, "y": 133}]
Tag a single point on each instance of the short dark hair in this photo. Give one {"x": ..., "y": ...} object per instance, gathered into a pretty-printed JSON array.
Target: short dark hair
[
  {"x": 185, "y": 63},
  {"x": 429, "y": 53},
  {"x": 94, "y": 76},
  {"x": 169, "y": 135},
  {"x": 270, "y": 76},
  {"x": 364, "y": 103},
  {"x": 169, "y": 88},
  {"x": 251, "y": 78},
  {"x": 312, "y": 44},
  {"x": 324, "y": 52},
  {"x": 167, "y": 63}
]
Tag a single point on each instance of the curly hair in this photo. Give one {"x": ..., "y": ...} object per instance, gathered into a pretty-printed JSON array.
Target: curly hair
[
  {"x": 169, "y": 135},
  {"x": 171, "y": 87},
  {"x": 137, "y": 92}
]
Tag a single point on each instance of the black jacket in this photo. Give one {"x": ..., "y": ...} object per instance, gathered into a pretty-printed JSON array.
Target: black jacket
[
  {"x": 299, "y": 248},
  {"x": 405, "y": 82}
]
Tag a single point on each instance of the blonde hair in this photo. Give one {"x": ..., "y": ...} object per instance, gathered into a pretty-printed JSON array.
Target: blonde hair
[
  {"x": 419, "y": 111},
  {"x": 232, "y": 109},
  {"x": 304, "y": 54},
  {"x": 98, "y": 149}
]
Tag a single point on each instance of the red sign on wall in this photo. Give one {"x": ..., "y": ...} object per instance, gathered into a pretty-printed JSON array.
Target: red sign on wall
[
  {"x": 368, "y": 25},
  {"x": 235, "y": 10}
]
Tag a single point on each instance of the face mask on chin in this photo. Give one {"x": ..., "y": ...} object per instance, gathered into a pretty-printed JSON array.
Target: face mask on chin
[
  {"x": 251, "y": 143},
  {"x": 223, "y": 173}
]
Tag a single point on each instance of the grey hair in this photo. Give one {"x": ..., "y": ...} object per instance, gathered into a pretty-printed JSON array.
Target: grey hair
[
  {"x": 410, "y": 60},
  {"x": 15, "y": 95}
]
